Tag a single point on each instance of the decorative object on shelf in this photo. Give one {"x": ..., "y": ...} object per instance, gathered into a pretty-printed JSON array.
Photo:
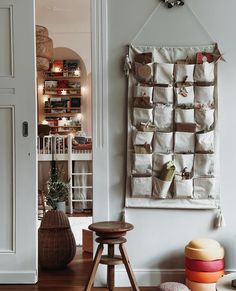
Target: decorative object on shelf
[
  {"x": 44, "y": 48},
  {"x": 57, "y": 190},
  {"x": 56, "y": 241},
  {"x": 172, "y": 3}
]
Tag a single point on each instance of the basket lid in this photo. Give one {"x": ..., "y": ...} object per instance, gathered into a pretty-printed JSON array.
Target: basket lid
[
  {"x": 41, "y": 30},
  {"x": 54, "y": 219}
]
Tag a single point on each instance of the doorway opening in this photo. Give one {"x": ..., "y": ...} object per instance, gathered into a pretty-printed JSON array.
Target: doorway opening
[{"x": 64, "y": 110}]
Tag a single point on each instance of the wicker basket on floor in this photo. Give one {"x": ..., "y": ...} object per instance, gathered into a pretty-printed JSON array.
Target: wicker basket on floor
[{"x": 56, "y": 241}]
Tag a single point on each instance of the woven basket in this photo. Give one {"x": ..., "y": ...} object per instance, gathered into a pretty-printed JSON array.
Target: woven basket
[
  {"x": 41, "y": 30},
  {"x": 57, "y": 245},
  {"x": 43, "y": 64},
  {"x": 44, "y": 46}
]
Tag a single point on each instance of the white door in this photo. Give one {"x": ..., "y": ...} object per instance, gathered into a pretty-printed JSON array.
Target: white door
[{"x": 18, "y": 260}]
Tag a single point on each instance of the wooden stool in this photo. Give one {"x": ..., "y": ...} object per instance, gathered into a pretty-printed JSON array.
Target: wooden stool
[{"x": 111, "y": 233}]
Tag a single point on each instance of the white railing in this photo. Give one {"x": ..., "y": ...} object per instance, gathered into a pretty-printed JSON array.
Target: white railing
[{"x": 59, "y": 148}]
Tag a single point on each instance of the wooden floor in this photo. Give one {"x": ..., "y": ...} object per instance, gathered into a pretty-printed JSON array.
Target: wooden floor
[{"x": 74, "y": 277}]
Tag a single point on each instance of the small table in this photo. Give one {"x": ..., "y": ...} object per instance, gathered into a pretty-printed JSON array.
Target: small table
[
  {"x": 111, "y": 233},
  {"x": 224, "y": 283}
]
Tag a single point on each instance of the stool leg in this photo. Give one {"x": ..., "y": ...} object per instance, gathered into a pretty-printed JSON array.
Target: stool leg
[
  {"x": 94, "y": 267},
  {"x": 110, "y": 269},
  {"x": 128, "y": 267}
]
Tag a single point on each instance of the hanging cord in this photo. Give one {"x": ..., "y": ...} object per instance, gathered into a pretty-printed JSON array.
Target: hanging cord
[
  {"x": 158, "y": 6},
  {"x": 199, "y": 22},
  {"x": 146, "y": 22}
]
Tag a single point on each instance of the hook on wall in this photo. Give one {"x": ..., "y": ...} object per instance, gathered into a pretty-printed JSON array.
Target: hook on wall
[{"x": 172, "y": 3}]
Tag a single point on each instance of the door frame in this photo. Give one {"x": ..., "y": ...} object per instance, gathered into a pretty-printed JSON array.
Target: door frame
[{"x": 100, "y": 118}]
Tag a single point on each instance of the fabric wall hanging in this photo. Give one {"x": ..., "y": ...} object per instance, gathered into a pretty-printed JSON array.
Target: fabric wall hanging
[{"x": 172, "y": 136}]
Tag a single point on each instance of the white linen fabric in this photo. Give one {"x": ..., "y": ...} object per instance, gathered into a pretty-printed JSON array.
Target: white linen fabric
[
  {"x": 141, "y": 186},
  {"x": 163, "y": 94},
  {"x": 163, "y": 142},
  {"x": 185, "y": 117}
]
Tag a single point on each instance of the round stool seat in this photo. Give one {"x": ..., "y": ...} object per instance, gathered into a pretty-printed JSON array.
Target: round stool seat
[
  {"x": 204, "y": 249},
  {"x": 204, "y": 277},
  {"x": 111, "y": 229},
  {"x": 204, "y": 266},
  {"x": 172, "y": 286},
  {"x": 195, "y": 286},
  {"x": 112, "y": 234}
]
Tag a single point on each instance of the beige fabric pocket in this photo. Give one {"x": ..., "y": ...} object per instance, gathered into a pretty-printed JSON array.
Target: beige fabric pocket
[
  {"x": 183, "y": 161},
  {"x": 163, "y": 73},
  {"x": 184, "y": 142},
  {"x": 159, "y": 160},
  {"x": 144, "y": 115},
  {"x": 163, "y": 94},
  {"x": 184, "y": 95},
  {"x": 163, "y": 117},
  {"x": 184, "y": 72},
  {"x": 204, "y": 72},
  {"x": 141, "y": 137},
  {"x": 161, "y": 189},
  {"x": 183, "y": 189},
  {"x": 184, "y": 115},
  {"x": 205, "y": 142},
  {"x": 143, "y": 91},
  {"x": 204, "y": 95},
  {"x": 141, "y": 186},
  {"x": 204, "y": 165},
  {"x": 204, "y": 118},
  {"x": 163, "y": 142},
  {"x": 142, "y": 163},
  {"x": 204, "y": 188}
]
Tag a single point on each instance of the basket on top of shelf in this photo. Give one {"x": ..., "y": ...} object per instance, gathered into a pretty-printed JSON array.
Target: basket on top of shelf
[{"x": 44, "y": 48}]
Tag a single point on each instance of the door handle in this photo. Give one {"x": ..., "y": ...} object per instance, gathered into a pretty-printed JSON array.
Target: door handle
[{"x": 25, "y": 129}]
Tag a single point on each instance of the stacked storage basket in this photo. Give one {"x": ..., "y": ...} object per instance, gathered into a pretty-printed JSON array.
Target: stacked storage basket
[{"x": 204, "y": 262}]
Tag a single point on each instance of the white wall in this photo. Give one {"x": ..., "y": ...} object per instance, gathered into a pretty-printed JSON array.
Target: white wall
[{"x": 159, "y": 237}]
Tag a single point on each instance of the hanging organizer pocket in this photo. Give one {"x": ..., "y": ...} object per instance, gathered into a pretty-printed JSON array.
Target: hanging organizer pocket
[
  {"x": 141, "y": 137},
  {"x": 184, "y": 94},
  {"x": 163, "y": 73},
  {"x": 205, "y": 142},
  {"x": 161, "y": 189},
  {"x": 163, "y": 117},
  {"x": 142, "y": 115},
  {"x": 143, "y": 91},
  {"x": 143, "y": 72},
  {"x": 141, "y": 186},
  {"x": 183, "y": 161},
  {"x": 142, "y": 102},
  {"x": 204, "y": 95},
  {"x": 163, "y": 94},
  {"x": 183, "y": 188},
  {"x": 184, "y": 115},
  {"x": 184, "y": 142},
  {"x": 204, "y": 118},
  {"x": 142, "y": 163},
  {"x": 204, "y": 165},
  {"x": 184, "y": 72},
  {"x": 204, "y": 72},
  {"x": 159, "y": 160},
  {"x": 163, "y": 142},
  {"x": 204, "y": 188}
]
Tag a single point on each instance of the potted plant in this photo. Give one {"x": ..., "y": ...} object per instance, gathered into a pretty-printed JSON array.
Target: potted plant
[{"x": 57, "y": 190}]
